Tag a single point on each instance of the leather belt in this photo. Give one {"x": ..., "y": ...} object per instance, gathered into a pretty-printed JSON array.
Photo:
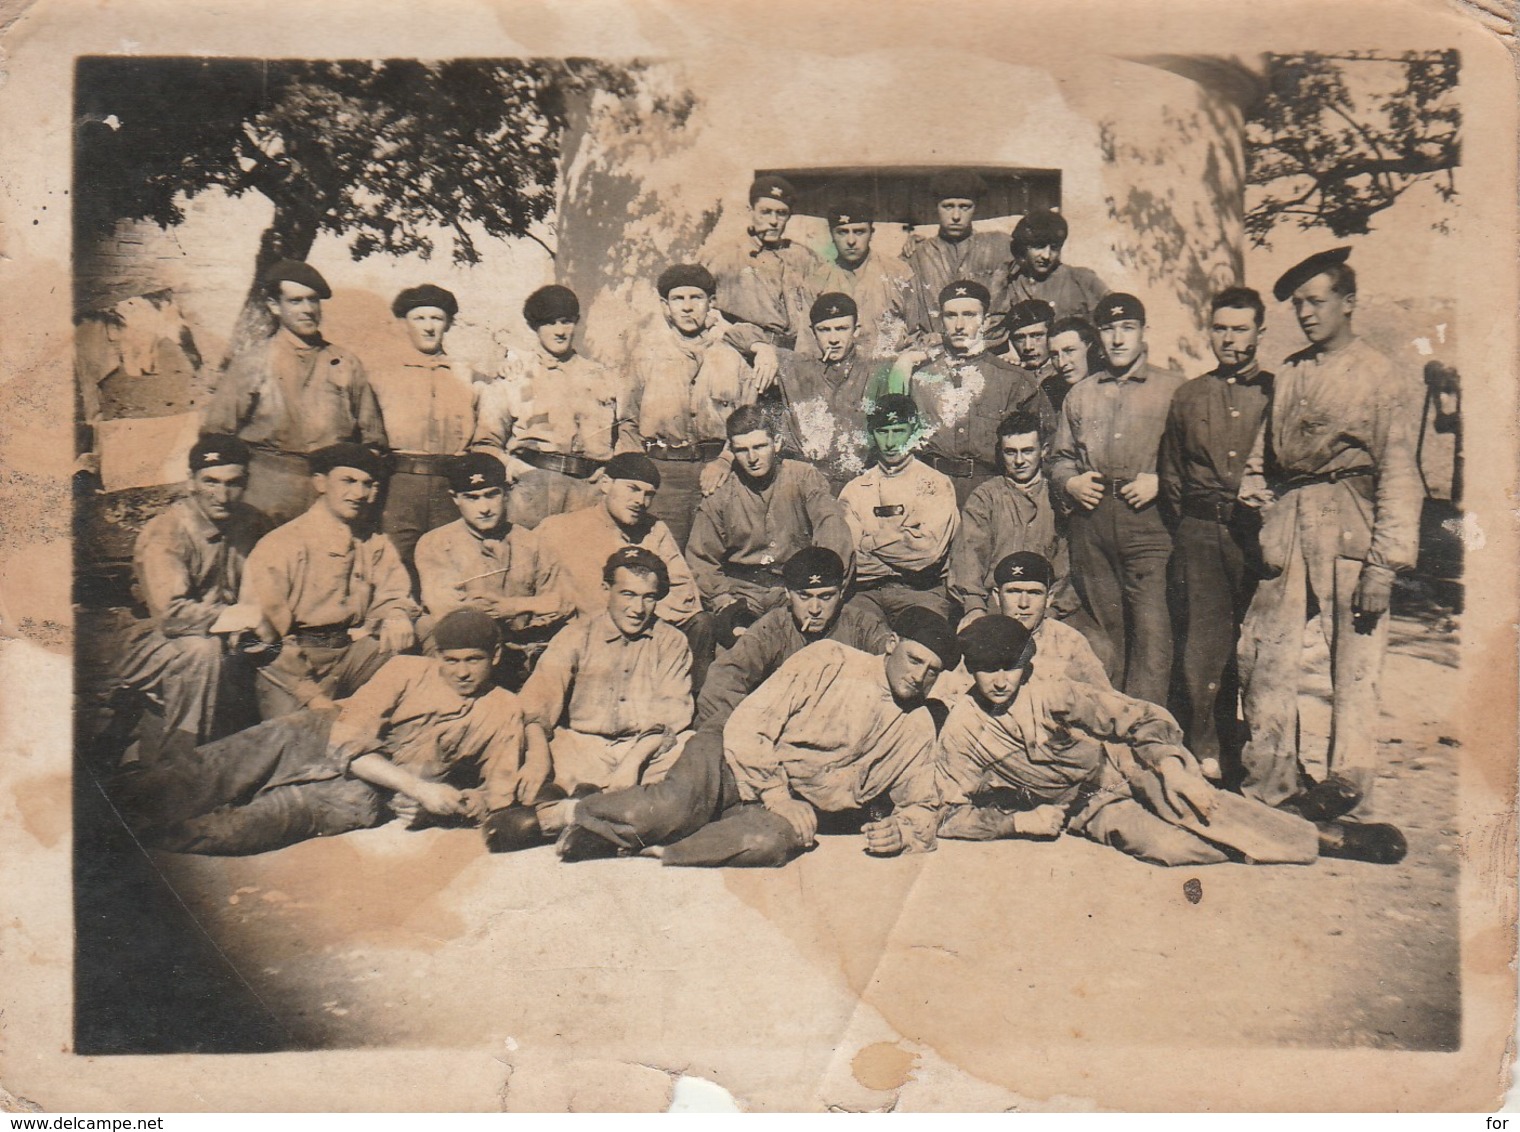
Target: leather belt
[
  {"x": 1209, "y": 508},
  {"x": 961, "y": 467},
  {"x": 930, "y": 577},
  {"x": 419, "y": 463},
  {"x": 1293, "y": 483},
  {"x": 759, "y": 575},
  {"x": 688, "y": 453},
  {"x": 324, "y": 637},
  {"x": 566, "y": 464}
]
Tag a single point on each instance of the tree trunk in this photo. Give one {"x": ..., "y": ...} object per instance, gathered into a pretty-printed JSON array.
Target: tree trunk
[{"x": 290, "y": 235}]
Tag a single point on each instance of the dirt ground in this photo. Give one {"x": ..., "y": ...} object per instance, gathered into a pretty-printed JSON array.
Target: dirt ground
[{"x": 803, "y": 985}]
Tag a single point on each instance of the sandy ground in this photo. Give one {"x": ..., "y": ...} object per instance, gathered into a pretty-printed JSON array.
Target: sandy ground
[{"x": 834, "y": 980}]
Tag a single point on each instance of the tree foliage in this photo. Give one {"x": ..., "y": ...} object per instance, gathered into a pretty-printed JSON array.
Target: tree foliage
[{"x": 1338, "y": 138}]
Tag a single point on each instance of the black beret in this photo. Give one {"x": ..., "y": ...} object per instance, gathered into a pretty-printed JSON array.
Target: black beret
[
  {"x": 426, "y": 295},
  {"x": 686, "y": 275},
  {"x": 1305, "y": 270},
  {"x": 1040, "y": 229},
  {"x": 772, "y": 187},
  {"x": 217, "y": 450},
  {"x": 346, "y": 455},
  {"x": 466, "y": 629},
  {"x": 849, "y": 210},
  {"x": 931, "y": 630},
  {"x": 475, "y": 471},
  {"x": 965, "y": 289},
  {"x": 957, "y": 184},
  {"x": 1117, "y": 307},
  {"x": 638, "y": 558},
  {"x": 550, "y": 304},
  {"x": 832, "y": 304},
  {"x": 1029, "y": 312},
  {"x": 892, "y": 409},
  {"x": 295, "y": 271},
  {"x": 813, "y": 567},
  {"x": 995, "y": 643},
  {"x": 633, "y": 466},
  {"x": 1025, "y": 566}
]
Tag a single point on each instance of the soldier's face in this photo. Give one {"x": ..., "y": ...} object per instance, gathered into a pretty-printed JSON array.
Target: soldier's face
[
  {"x": 1070, "y": 353},
  {"x": 217, "y": 490},
  {"x": 555, "y": 336},
  {"x": 347, "y": 492},
  {"x": 686, "y": 308},
  {"x": 631, "y": 601},
  {"x": 999, "y": 687},
  {"x": 768, "y": 219},
  {"x": 962, "y": 320},
  {"x": 1032, "y": 345},
  {"x": 1021, "y": 456},
  {"x": 1039, "y": 262},
  {"x": 467, "y": 671},
  {"x": 814, "y": 609},
  {"x": 851, "y": 242},
  {"x": 1122, "y": 341},
  {"x": 298, "y": 309},
  {"x": 894, "y": 444},
  {"x": 754, "y": 453},
  {"x": 912, "y": 668},
  {"x": 834, "y": 337},
  {"x": 955, "y": 216},
  {"x": 425, "y": 327},
  {"x": 1025, "y": 602},
  {"x": 1233, "y": 335},
  {"x": 482, "y": 510},
  {"x": 628, "y": 501},
  {"x": 1323, "y": 314}
]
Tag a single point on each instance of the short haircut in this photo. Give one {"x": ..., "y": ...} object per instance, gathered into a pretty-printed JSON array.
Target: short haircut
[
  {"x": 654, "y": 571},
  {"x": 1240, "y": 298},
  {"x": 1018, "y": 423},
  {"x": 1342, "y": 278},
  {"x": 749, "y": 418},
  {"x": 1086, "y": 331}
]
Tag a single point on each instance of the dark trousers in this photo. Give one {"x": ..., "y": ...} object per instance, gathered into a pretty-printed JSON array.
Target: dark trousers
[
  {"x": 674, "y": 808},
  {"x": 279, "y": 484},
  {"x": 1213, "y": 591},
  {"x": 414, "y": 505},
  {"x": 675, "y": 503},
  {"x": 1119, "y": 560}
]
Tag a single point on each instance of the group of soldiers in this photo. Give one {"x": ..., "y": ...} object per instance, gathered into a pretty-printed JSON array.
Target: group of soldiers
[{"x": 866, "y": 544}]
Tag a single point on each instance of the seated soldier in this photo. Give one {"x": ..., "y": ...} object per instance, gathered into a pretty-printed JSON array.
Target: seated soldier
[
  {"x": 762, "y": 515},
  {"x": 1024, "y": 755},
  {"x": 189, "y": 566},
  {"x": 1029, "y": 324},
  {"x": 835, "y": 730},
  {"x": 1011, "y": 513},
  {"x": 687, "y": 798},
  {"x": 610, "y": 700},
  {"x": 402, "y": 744},
  {"x": 902, "y": 514},
  {"x": 331, "y": 588},
  {"x": 482, "y": 561},
  {"x": 1038, "y": 273}
]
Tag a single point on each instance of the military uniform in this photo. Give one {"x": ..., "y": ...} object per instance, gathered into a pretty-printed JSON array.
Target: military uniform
[
  {"x": 1073, "y": 292},
  {"x": 883, "y": 292},
  {"x": 937, "y": 262},
  {"x": 826, "y": 405},
  {"x": 903, "y": 523},
  {"x": 1001, "y": 518},
  {"x": 768, "y": 286}
]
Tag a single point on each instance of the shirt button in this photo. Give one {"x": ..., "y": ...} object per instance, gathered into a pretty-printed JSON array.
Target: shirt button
[
  {"x": 1118, "y": 435},
  {"x": 1234, "y": 412},
  {"x": 1231, "y": 455}
]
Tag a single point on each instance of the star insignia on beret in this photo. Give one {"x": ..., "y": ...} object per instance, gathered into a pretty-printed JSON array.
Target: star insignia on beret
[
  {"x": 1017, "y": 571},
  {"x": 477, "y": 478},
  {"x": 775, "y": 190},
  {"x": 1115, "y": 310},
  {"x": 845, "y": 219},
  {"x": 961, "y": 291},
  {"x": 212, "y": 456},
  {"x": 815, "y": 579}
]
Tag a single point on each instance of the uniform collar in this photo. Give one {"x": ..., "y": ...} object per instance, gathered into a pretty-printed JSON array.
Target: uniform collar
[
  {"x": 758, "y": 246},
  {"x": 606, "y": 631},
  {"x": 552, "y": 361},
  {"x": 505, "y": 530},
  {"x": 333, "y": 531},
  {"x": 198, "y": 523},
  {"x": 1138, "y": 371},
  {"x": 300, "y": 345}
]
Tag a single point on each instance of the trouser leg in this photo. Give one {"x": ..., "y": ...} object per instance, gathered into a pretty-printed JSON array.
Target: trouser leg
[
  {"x": 1260, "y": 833},
  {"x": 360, "y": 661},
  {"x": 677, "y": 806},
  {"x": 1095, "y": 572},
  {"x": 680, "y": 491},
  {"x": 1129, "y": 827},
  {"x": 891, "y": 599},
  {"x": 279, "y": 485},
  {"x": 541, "y": 493},
  {"x": 1207, "y": 607},
  {"x": 414, "y": 504},
  {"x": 1271, "y": 660},
  {"x": 1356, "y": 652},
  {"x": 279, "y": 817},
  {"x": 746, "y": 836},
  {"x": 186, "y": 673},
  {"x": 1145, "y": 546}
]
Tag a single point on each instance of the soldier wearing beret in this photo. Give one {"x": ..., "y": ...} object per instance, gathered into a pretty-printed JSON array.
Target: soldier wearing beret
[
  {"x": 427, "y": 400},
  {"x": 881, "y": 287},
  {"x": 483, "y": 561},
  {"x": 1104, "y": 461},
  {"x": 552, "y": 415},
  {"x": 903, "y": 516},
  {"x": 763, "y": 279},
  {"x": 331, "y": 588},
  {"x": 1028, "y": 325},
  {"x": 964, "y": 391},
  {"x": 685, "y": 379},
  {"x": 956, "y": 252},
  {"x": 292, "y": 394},
  {"x": 1028, "y": 755},
  {"x": 1038, "y": 273},
  {"x": 1335, "y": 475},
  {"x": 188, "y": 563}
]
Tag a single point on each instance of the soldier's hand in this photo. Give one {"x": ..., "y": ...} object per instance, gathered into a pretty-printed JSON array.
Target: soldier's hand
[
  {"x": 1043, "y": 822},
  {"x": 1254, "y": 492},
  {"x": 438, "y": 797},
  {"x": 767, "y": 364},
  {"x": 714, "y": 473},
  {"x": 799, "y": 815},
  {"x": 884, "y": 838},
  {"x": 1141, "y": 491},
  {"x": 530, "y": 780},
  {"x": 396, "y": 634},
  {"x": 1184, "y": 791},
  {"x": 1086, "y": 489},
  {"x": 1374, "y": 591},
  {"x": 971, "y": 615},
  {"x": 474, "y": 804}
]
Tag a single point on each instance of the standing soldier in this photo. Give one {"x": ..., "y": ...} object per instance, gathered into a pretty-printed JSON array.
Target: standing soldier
[
  {"x": 1105, "y": 462},
  {"x": 1038, "y": 272},
  {"x": 292, "y": 394},
  {"x": 881, "y": 287},
  {"x": 332, "y": 587},
  {"x": 553, "y": 416},
  {"x": 1212, "y": 424},
  {"x": 765, "y": 280},
  {"x": 427, "y": 402},
  {"x": 1334, "y": 472},
  {"x": 954, "y": 252}
]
